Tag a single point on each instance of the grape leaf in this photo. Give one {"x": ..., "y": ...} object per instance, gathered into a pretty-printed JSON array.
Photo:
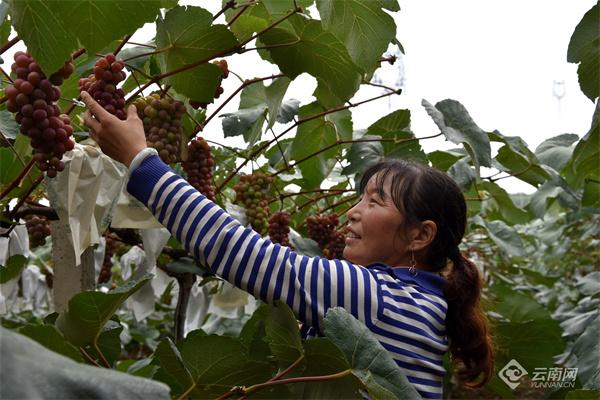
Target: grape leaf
[
  {"x": 308, "y": 48},
  {"x": 12, "y": 269},
  {"x": 314, "y": 143},
  {"x": 505, "y": 206},
  {"x": 189, "y": 36},
  {"x": 96, "y": 23},
  {"x": 8, "y": 127},
  {"x": 51, "y": 338},
  {"x": 584, "y": 48},
  {"x": 505, "y": 237},
  {"x": 88, "y": 312},
  {"x": 369, "y": 361},
  {"x": 556, "y": 151},
  {"x": 457, "y": 125},
  {"x": 364, "y": 28},
  {"x": 51, "y": 42}
]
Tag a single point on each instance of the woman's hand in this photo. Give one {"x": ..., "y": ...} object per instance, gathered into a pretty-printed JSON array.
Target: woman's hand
[{"x": 120, "y": 140}]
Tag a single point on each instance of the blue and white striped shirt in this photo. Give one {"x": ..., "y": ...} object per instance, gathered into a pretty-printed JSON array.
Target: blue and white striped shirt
[{"x": 405, "y": 313}]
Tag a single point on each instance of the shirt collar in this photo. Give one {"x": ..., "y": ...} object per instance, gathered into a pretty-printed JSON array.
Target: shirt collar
[{"x": 429, "y": 281}]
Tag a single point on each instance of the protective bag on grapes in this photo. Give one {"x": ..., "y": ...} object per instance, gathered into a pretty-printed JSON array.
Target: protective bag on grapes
[{"x": 84, "y": 194}]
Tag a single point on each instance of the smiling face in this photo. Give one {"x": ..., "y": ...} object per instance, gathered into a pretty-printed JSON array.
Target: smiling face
[{"x": 376, "y": 232}]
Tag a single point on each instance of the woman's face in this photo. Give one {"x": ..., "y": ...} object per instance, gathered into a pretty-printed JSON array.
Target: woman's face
[{"x": 376, "y": 233}]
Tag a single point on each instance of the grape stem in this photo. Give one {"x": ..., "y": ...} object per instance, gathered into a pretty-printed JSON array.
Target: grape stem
[
  {"x": 323, "y": 196},
  {"x": 251, "y": 389},
  {"x": 6, "y": 75},
  {"x": 123, "y": 43},
  {"x": 228, "y": 5},
  {"x": 260, "y": 149},
  {"x": 150, "y": 53},
  {"x": 340, "y": 142},
  {"x": 17, "y": 181},
  {"x": 9, "y": 44},
  {"x": 247, "y": 82}
]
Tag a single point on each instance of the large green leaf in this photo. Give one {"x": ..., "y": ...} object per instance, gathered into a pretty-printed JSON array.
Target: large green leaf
[
  {"x": 189, "y": 36},
  {"x": 8, "y": 126},
  {"x": 457, "y": 125},
  {"x": 95, "y": 23},
  {"x": 557, "y": 150},
  {"x": 4, "y": 22},
  {"x": 173, "y": 371},
  {"x": 443, "y": 160},
  {"x": 364, "y": 28},
  {"x": 370, "y": 362},
  {"x": 282, "y": 334},
  {"x": 527, "y": 331},
  {"x": 253, "y": 19},
  {"x": 217, "y": 364},
  {"x": 315, "y": 135},
  {"x": 587, "y": 350},
  {"x": 51, "y": 338},
  {"x": 505, "y": 237},
  {"x": 42, "y": 29},
  {"x": 516, "y": 158},
  {"x": 109, "y": 343},
  {"x": 584, "y": 48},
  {"x": 504, "y": 205},
  {"x": 88, "y": 312},
  {"x": 584, "y": 161},
  {"x": 324, "y": 358},
  {"x": 308, "y": 48},
  {"x": 12, "y": 269},
  {"x": 31, "y": 371},
  {"x": 398, "y": 141},
  {"x": 463, "y": 173}
]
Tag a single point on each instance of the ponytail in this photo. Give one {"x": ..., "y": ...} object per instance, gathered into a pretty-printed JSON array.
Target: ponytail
[
  {"x": 423, "y": 193},
  {"x": 471, "y": 345}
]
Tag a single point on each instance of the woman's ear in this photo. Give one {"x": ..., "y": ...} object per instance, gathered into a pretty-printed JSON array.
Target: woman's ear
[{"x": 423, "y": 235}]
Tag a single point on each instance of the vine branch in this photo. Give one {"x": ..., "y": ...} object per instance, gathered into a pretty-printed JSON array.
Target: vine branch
[{"x": 297, "y": 123}]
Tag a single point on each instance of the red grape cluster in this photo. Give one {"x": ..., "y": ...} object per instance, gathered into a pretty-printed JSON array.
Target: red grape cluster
[
  {"x": 106, "y": 270},
  {"x": 198, "y": 167},
  {"x": 162, "y": 124},
  {"x": 222, "y": 64},
  {"x": 252, "y": 192},
  {"x": 32, "y": 97},
  {"x": 102, "y": 85},
  {"x": 335, "y": 247},
  {"x": 321, "y": 228},
  {"x": 38, "y": 228},
  {"x": 279, "y": 228}
]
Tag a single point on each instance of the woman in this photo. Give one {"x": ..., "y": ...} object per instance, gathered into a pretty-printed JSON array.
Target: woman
[{"x": 402, "y": 234}]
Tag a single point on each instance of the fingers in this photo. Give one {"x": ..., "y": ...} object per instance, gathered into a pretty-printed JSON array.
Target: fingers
[
  {"x": 90, "y": 122},
  {"x": 132, "y": 112},
  {"x": 96, "y": 109}
]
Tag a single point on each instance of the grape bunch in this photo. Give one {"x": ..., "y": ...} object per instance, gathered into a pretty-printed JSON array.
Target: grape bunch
[
  {"x": 222, "y": 64},
  {"x": 102, "y": 85},
  {"x": 279, "y": 228},
  {"x": 32, "y": 97},
  {"x": 198, "y": 167},
  {"x": 106, "y": 269},
  {"x": 38, "y": 228},
  {"x": 162, "y": 124},
  {"x": 252, "y": 192},
  {"x": 321, "y": 228},
  {"x": 335, "y": 247}
]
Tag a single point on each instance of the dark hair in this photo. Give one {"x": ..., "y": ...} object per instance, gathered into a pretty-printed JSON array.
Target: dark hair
[{"x": 423, "y": 193}]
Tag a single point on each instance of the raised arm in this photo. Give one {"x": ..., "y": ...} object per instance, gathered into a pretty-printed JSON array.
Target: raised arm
[{"x": 309, "y": 285}]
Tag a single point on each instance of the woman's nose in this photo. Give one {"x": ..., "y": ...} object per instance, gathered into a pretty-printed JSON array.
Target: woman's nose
[{"x": 353, "y": 214}]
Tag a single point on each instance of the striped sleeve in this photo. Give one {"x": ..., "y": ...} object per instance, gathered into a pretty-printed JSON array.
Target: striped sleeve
[{"x": 309, "y": 285}]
